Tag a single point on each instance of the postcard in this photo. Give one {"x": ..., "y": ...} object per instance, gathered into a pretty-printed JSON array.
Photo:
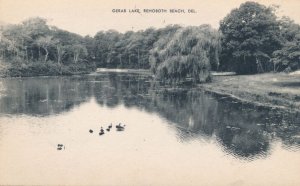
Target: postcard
[{"x": 145, "y": 92}]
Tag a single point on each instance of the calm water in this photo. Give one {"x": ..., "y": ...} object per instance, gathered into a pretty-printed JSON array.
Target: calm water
[{"x": 173, "y": 136}]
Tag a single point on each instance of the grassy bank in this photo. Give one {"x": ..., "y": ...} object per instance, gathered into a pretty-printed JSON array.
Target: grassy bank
[{"x": 275, "y": 90}]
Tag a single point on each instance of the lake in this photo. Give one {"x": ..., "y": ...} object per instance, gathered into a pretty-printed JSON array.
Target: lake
[{"x": 173, "y": 135}]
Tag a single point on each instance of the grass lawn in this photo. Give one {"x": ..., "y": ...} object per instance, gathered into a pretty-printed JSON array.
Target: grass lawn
[{"x": 275, "y": 90}]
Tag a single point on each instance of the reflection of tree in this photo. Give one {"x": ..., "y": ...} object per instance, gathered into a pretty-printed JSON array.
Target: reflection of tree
[
  {"x": 115, "y": 89},
  {"x": 43, "y": 96},
  {"x": 204, "y": 115},
  {"x": 241, "y": 129}
]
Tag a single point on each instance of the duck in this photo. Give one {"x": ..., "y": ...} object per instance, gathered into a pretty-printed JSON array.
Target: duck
[
  {"x": 59, "y": 146},
  {"x": 101, "y": 131},
  {"x": 91, "y": 131},
  {"x": 109, "y": 127},
  {"x": 120, "y": 127}
]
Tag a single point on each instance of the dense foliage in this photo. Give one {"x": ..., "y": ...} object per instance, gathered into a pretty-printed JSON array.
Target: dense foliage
[
  {"x": 186, "y": 53},
  {"x": 34, "y": 48},
  {"x": 129, "y": 50},
  {"x": 287, "y": 58},
  {"x": 255, "y": 40},
  {"x": 250, "y": 36}
]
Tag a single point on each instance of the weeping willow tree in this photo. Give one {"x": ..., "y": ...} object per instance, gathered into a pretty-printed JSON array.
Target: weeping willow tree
[{"x": 188, "y": 52}]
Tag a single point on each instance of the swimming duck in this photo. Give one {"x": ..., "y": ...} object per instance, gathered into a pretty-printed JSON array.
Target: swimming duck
[
  {"x": 91, "y": 131},
  {"x": 101, "y": 131},
  {"x": 110, "y": 126},
  {"x": 60, "y": 146},
  {"x": 120, "y": 127}
]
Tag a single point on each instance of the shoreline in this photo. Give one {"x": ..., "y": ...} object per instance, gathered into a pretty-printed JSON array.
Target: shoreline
[
  {"x": 38, "y": 69},
  {"x": 98, "y": 70},
  {"x": 266, "y": 90},
  {"x": 46, "y": 75},
  {"x": 244, "y": 100}
]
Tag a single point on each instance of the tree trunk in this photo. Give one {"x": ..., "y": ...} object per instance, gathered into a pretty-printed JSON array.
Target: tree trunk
[
  {"x": 17, "y": 54},
  {"x": 26, "y": 54},
  {"x": 47, "y": 53},
  {"x": 259, "y": 65},
  {"x": 59, "y": 56},
  {"x": 39, "y": 53},
  {"x": 3, "y": 54},
  {"x": 139, "y": 58},
  {"x": 31, "y": 54},
  {"x": 75, "y": 57},
  {"x": 129, "y": 59},
  {"x": 25, "y": 50}
]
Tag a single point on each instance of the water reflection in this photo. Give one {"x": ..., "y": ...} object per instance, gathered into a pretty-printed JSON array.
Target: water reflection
[
  {"x": 242, "y": 130},
  {"x": 43, "y": 96}
]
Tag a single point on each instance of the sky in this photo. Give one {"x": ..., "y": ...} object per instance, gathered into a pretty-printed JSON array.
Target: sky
[{"x": 87, "y": 17}]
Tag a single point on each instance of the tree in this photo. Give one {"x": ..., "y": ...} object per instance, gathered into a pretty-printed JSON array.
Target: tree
[
  {"x": 12, "y": 41},
  {"x": 23, "y": 45},
  {"x": 45, "y": 43},
  {"x": 165, "y": 35},
  {"x": 188, "y": 53},
  {"x": 79, "y": 50},
  {"x": 288, "y": 57},
  {"x": 250, "y": 36},
  {"x": 32, "y": 29},
  {"x": 61, "y": 51}
]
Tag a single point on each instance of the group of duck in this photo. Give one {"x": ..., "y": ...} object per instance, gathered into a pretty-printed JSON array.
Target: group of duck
[{"x": 119, "y": 127}]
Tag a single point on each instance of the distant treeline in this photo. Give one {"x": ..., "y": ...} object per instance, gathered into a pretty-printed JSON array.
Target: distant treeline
[
  {"x": 251, "y": 39},
  {"x": 172, "y": 53},
  {"x": 34, "y": 48}
]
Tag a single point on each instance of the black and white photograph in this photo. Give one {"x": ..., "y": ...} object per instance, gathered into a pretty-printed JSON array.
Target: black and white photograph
[{"x": 150, "y": 93}]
